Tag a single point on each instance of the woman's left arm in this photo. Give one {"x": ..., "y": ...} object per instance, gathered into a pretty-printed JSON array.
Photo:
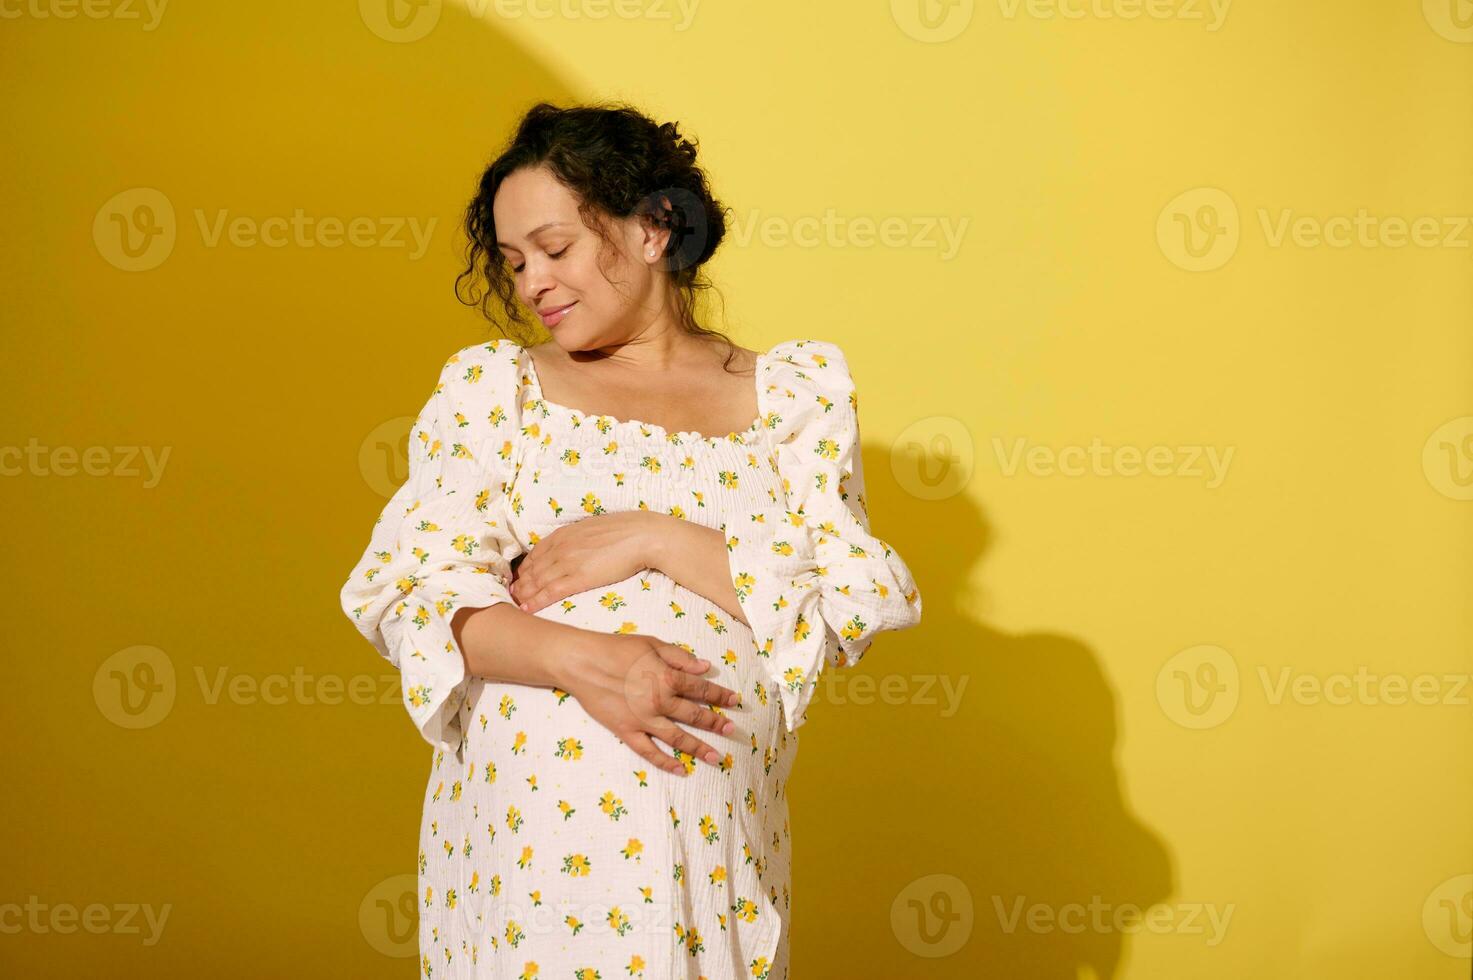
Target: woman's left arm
[
  {"x": 816, "y": 584},
  {"x": 810, "y": 579},
  {"x": 696, "y": 558},
  {"x": 611, "y": 547}
]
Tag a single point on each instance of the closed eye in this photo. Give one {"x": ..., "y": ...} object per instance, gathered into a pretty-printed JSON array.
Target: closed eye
[{"x": 553, "y": 255}]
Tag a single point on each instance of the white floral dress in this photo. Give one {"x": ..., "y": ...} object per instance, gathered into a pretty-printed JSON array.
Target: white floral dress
[{"x": 548, "y": 848}]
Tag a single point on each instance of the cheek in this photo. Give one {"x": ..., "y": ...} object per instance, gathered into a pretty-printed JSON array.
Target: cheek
[{"x": 609, "y": 289}]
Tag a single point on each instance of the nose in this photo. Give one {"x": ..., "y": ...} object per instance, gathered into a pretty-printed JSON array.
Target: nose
[{"x": 536, "y": 281}]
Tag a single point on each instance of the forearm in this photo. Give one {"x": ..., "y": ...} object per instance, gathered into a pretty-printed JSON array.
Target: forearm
[
  {"x": 695, "y": 557},
  {"x": 503, "y": 643}
]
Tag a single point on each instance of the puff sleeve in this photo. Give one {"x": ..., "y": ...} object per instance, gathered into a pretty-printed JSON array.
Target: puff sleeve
[
  {"x": 444, "y": 540},
  {"x": 815, "y": 584}
]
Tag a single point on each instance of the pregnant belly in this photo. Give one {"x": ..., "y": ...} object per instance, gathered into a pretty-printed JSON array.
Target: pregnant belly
[{"x": 544, "y": 732}]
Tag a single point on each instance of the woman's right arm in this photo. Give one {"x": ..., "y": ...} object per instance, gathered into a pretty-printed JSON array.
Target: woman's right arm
[
  {"x": 636, "y": 686},
  {"x": 431, "y": 589},
  {"x": 502, "y": 643}
]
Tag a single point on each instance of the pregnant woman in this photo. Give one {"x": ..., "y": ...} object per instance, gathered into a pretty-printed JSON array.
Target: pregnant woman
[{"x": 618, "y": 566}]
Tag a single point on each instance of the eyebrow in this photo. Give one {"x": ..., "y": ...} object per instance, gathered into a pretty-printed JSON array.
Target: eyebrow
[{"x": 535, "y": 231}]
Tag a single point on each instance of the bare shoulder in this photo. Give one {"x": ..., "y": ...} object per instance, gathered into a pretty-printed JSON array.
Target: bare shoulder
[
  {"x": 548, "y": 358},
  {"x": 742, "y": 359},
  {"x": 545, "y": 351}
]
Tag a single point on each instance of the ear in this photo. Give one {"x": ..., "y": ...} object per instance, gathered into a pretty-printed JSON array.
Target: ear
[{"x": 656, "y": 239}]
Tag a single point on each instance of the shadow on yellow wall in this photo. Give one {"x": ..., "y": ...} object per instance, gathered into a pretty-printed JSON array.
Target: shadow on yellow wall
[{"x": 964, "y": 785}]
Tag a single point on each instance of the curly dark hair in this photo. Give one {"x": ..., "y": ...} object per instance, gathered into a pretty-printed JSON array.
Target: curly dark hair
[{"x": 618, "y": 162}]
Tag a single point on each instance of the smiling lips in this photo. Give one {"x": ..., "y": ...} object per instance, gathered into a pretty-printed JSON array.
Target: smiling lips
[{"x": 553, "y": 314}]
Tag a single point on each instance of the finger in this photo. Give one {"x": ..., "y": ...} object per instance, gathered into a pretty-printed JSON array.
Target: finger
[
  {"x": 703, "y": 690},
  {"x": 686, "y": 742},
  {"x": 700, "y": 716},
  {"x": 680, "y": 657},
  {"x": 646, "y": 749},
  {"x": 532, "y": 571},
  {"x": 558, "y": 588}
]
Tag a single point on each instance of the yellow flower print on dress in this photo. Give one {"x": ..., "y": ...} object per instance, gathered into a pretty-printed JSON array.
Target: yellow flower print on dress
[
  {"x": 690, "y": 939},
  {"x": 745, "y": 909},
  {"x": 612, "y": 806},
  {"x": 787, "y": 498}
]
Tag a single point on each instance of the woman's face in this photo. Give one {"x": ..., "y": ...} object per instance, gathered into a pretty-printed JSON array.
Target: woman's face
[{"x": 554, "y": 259}]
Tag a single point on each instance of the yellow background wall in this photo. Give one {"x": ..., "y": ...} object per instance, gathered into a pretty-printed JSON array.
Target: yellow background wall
[{"x": 1237, "y": 697}]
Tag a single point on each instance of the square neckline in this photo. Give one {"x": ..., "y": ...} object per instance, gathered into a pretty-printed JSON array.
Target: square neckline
[{"x": 650, "y": 428}]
